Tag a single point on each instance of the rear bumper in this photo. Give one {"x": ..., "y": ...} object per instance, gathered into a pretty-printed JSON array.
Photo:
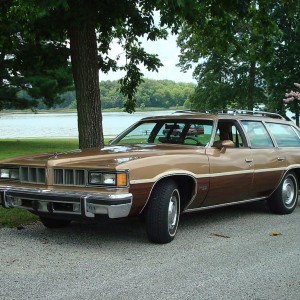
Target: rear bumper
[{"x": 66, "y": 202}]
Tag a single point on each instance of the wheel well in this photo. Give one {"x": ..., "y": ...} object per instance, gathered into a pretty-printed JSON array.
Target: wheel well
[
  {"x": 297, "y": 171},
  {"x": 186, "y": 185}
]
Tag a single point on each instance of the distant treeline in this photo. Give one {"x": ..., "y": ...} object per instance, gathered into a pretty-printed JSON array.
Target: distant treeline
[{"x": 151, "y": 93}]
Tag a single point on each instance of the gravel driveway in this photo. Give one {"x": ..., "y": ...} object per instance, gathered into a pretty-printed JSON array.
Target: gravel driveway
[{"x": 241, "y": 252}]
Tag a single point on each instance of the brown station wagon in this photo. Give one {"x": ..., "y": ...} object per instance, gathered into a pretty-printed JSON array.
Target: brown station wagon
[{"x": 154, "y": 170}]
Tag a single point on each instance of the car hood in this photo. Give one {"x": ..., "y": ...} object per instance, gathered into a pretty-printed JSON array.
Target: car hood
[{"x": 107, "y": 157}]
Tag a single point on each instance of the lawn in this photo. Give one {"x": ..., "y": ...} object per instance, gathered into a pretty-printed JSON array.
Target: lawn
[{"x": 14, "y": 147}]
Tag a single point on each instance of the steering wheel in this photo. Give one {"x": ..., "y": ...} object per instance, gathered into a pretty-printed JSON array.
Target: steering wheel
[{"x": 194, "y": 139}]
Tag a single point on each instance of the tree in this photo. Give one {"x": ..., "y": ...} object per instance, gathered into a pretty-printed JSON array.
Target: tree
[
  {"x": 291, "y": 96},
  {"x": 294, "y": 97},
  {"x": 39, "y": 69},
  {"x": 232, "y": 53},
  {"x": 90, "y": 26},
  {"x": 283, "y": 68}
]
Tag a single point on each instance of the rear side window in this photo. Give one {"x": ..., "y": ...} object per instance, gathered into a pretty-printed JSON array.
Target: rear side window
[
  {"x": 257, "y": 134},
  {"x": 284, "y": 135}
]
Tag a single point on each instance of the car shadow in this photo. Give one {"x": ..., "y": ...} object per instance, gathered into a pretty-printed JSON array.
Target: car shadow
[{"x": 132, "y": 230}]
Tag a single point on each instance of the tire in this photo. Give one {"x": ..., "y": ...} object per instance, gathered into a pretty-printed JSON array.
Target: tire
[
  {"x": 54, "y": 223},
  {"x": 162, "y": 212},
  {"x": 284, "y": 200}
]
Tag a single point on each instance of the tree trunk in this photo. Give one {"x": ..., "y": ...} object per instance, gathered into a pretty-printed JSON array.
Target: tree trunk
[
  {"x": 296, "y": 106},
  {"x": 84, "y": 59},
  {"x": 251, "y": 86}
]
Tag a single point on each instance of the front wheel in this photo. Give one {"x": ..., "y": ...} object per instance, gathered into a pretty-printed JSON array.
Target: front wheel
[
  {"x": 162, "y": 212},
  {"x": 284, "y": 199},
  {"x": 54, "y": 223}
]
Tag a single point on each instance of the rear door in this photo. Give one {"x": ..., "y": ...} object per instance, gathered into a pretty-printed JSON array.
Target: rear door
[{"x": 269, "y": 161}]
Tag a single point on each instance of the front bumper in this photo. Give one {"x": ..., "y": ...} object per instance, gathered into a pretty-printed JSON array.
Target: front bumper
[{"x": 56, "y": 202}]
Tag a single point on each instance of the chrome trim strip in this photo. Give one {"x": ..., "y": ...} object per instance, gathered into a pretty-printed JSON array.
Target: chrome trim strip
[
  {"x": 223, "y": 205},
  {"x": 207, "y": 175},
  {"x": 166, "y": 176}
]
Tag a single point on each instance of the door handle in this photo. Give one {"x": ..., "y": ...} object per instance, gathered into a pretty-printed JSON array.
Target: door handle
[
  {"x": 280, "y": 158},
  {"x": 249, "y": 160}
]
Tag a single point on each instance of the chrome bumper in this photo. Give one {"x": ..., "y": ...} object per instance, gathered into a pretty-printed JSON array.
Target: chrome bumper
[{"x": 66, "y": 202}]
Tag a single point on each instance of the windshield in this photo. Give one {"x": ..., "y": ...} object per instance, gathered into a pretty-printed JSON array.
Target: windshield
[{"x": 186, "y": 132}]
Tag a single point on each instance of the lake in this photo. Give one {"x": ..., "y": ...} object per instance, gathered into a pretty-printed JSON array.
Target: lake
[{"x": 64, "y": 124}]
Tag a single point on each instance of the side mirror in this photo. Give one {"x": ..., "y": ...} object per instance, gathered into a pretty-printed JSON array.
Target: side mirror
[{"x": 222, "y": 145}]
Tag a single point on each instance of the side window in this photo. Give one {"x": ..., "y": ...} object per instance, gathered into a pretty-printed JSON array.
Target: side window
[
  {"x": 227, "y": 130},
  {"x": 284, "y": 135},
  {"x": 257, "y": 134}
]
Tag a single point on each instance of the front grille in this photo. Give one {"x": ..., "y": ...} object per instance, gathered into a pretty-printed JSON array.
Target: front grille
[
  {"x": 32, "y": 175},
  {"x": 69, "y": 177}
]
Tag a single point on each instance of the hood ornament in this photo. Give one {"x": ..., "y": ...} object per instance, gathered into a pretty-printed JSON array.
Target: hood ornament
[{"x": 54, "y": 156}]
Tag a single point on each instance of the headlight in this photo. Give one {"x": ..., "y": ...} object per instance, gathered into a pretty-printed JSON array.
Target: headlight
[
  {"x": 108, "y": 179},
  {"x": 9, "y": 173}
]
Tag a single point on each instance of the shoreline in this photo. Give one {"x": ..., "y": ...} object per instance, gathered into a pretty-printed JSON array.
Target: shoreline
[
  {"x": 70, "y": 111},
  {"x": 64, "y": 125},
  {"x": 51, "y": 138}
]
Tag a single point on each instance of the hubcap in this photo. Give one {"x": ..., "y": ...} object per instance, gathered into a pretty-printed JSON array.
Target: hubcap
[
  {"x": 173, "y": 212},
  {"x": 288, "y": 191}
]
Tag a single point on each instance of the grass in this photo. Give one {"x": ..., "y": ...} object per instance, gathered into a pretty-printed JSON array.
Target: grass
[
  {"x": 16, "y": 217},
  {"x": 14, "y": 147}
]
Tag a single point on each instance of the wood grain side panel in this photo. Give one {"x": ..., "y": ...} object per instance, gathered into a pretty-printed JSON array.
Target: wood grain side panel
[
  {"x": 265, "y": 183},
  {"x": 201, "y": 192},
  {"x": 140, "y": 194},
  {"x": 229, "y": 188}
]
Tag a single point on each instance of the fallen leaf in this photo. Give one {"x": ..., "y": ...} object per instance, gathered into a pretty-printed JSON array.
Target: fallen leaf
[
  {"x": 45, "y": 241},
  {"x": 275, "y": 233},
  {"x": 221, "y": 235}
]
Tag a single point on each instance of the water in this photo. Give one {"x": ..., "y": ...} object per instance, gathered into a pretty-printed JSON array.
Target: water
[{"x": 64, "y": 124}]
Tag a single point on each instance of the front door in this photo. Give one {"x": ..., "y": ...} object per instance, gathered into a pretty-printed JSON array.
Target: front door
[{"x": 231, "y": 168}]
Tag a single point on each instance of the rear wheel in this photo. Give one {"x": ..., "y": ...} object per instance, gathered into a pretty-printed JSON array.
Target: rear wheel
[
  {"x": 162, "y": 212},
  {"x": 285, "y": 198},
  {"x": 54, "y": 223}
]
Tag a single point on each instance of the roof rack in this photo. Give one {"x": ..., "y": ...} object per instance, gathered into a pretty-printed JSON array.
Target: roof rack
[
  {"x": 252, "y": 113},
  {"x": 236, "y": 112},
  {"x": 191, "y": 111}
]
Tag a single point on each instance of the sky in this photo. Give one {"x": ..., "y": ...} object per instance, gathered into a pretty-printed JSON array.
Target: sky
[{"x": 167, "y": 51}]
